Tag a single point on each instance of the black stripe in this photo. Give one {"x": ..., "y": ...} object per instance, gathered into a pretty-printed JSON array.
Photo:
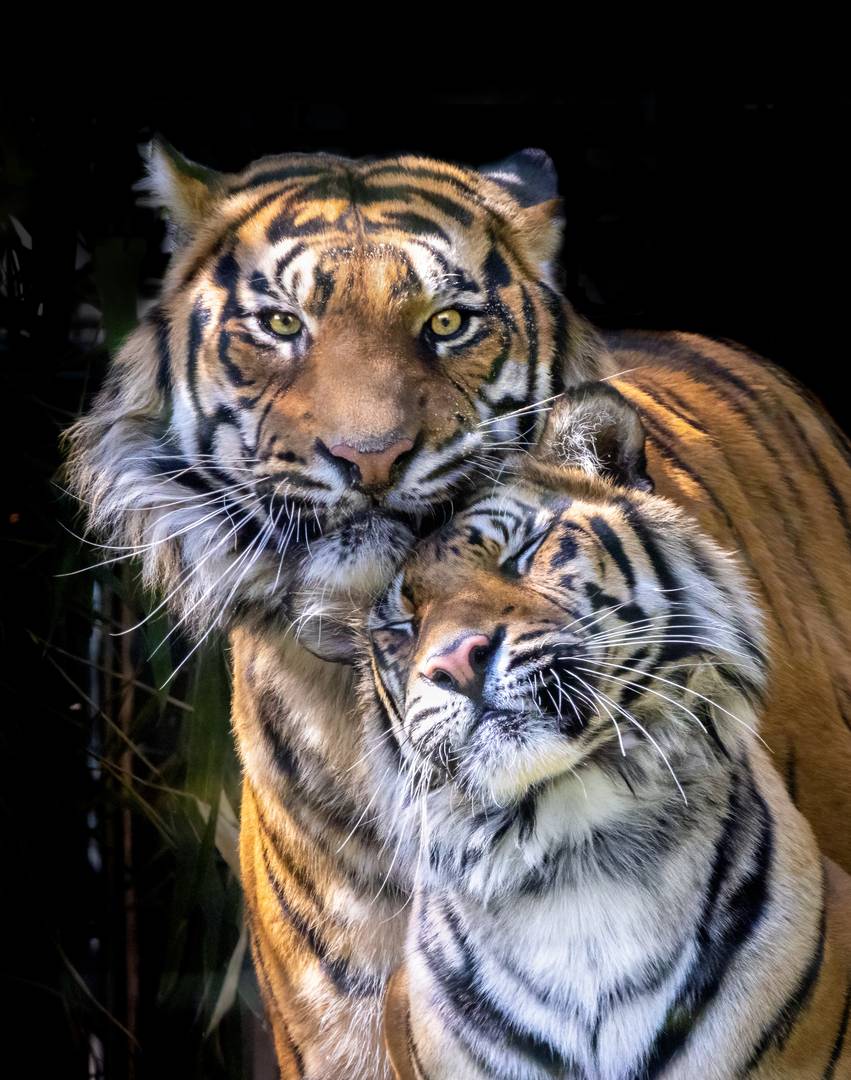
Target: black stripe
[
  {"x": 199, "y": 318},
  {"x": 722, "y": 929},
  {"x": 439, "y": 471},
  {"x": 839, "y": 1042},
  {"x": 278, "y": 175},
  {"x": 531, "y": 324},
  {"x": 160, "y": 320},
  {"x": 559, "y": 377},
  {"x": 283, "y": 225},
  {"x": 330, "y": 805},
  {"x": 836, "y": 497},
  {"x": 423, "y": 173},
  {"x": 298, "y": 480},
  {"x": 472, "y": 1006},
  {"x": 729, "y": 386},
  {"x": 664, "y": 574},
  {"x": 683, "y": 357},
  {"x": 230, "y": 230},
  {"x": 368, "y": 195},
  {"x": 266, "y": 983},
  {"x": 296, "y": 869},
  {"x": 338, "y": 970},
  {"x": 611, "y": 542},
  {"x": 792, "y": 775},
  {"x": 680, "y": 409},
  {"x": 407, "y": 221},
  {"x": 324, "y": 283},
  {"x": 780, "y": 1028},
  {"x": 234, "y": 373}
]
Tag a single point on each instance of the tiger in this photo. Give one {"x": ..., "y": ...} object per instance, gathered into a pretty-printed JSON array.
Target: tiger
[
  {"x": 565, "y": 685},
  {"x": 341, "y": 351}
]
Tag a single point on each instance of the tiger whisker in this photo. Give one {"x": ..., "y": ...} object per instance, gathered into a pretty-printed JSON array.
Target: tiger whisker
[
  {"x": 534, "y": 407},
  {"x": 608, "y": 611},
  {"x": 403, "y": 834},
  {"x": 667, "y": 640},
  {"x": 609, "y": 713},
  {"x": 241, "y": 558},
  {"x": 368, "y": 753},
  {"x": 261, "y": 546},
  {"x": 186, "y": 578},
  {"x": 562, "y": 690},
  {"x": 687, "y": 690},
  {"x": 647, "y": 735},
  {"x": 656, "y": 693},
  {"x": 362, "y": 816},
  {"x": 134, "y": 551},
  {"x": 659, "y": 622},
  {"x": 137, "y": 549},
  {"x": 625, "y": 371}
]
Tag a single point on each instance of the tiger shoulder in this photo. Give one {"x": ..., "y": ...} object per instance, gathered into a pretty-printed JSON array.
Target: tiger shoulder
[{"x": 757, "y": 460}]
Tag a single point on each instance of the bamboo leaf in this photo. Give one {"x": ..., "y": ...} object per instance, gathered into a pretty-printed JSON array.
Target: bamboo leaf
[
  {"x": 227, "y": 831},
  {"x": 230, "y": 985}
]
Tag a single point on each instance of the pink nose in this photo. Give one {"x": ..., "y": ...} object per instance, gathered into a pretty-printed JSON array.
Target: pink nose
[
  {"x": 373, "y": 465},
  {"x": 462, "y": 666}
]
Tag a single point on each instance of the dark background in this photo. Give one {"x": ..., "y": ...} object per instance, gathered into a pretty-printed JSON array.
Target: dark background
[{"x": 725, "y": 215}]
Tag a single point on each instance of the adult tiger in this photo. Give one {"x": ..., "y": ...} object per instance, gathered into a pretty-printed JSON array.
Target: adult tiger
[
  {"x": 339, "y": 350},
  {"x": 612, "y": 880}
]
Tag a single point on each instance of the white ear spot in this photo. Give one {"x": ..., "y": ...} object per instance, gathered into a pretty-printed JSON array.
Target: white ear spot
[
  {"x": 158, "y": 184},
  {"x": 184, "y": 190}
]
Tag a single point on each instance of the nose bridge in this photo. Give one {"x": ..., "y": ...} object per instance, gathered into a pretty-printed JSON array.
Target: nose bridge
[
  {"x": 366, "y": 381},
  {"x": 448, "y": 625}
]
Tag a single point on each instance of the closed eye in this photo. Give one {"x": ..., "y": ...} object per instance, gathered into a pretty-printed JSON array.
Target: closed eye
[
  {"x": 518, "y": 562},
  {"x": 400, "y": 627}
]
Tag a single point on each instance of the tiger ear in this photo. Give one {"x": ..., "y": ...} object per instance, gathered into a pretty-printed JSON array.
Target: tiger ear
[
  {"x": 594, "y": 428},
  {"x": 530, "y": 178},
  {"x": 185, "y": 190}
]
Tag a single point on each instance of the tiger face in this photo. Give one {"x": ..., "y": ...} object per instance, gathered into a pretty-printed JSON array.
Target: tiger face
[
  {"x": 341, "y": 347},
  {"x": 564, "y": 619}
]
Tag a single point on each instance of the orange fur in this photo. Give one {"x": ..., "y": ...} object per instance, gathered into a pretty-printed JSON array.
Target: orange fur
[{"x": 730, "y": 439}]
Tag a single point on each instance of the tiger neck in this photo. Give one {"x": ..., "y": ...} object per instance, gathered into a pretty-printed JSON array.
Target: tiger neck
[
  {"x": 630, "y": 916},
  {"x": 299, "y": 735}
]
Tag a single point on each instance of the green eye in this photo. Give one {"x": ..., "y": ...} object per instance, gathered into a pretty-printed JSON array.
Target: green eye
[
  {"x": 281, "y": 323},
  {"x": 446, "y": 323}
]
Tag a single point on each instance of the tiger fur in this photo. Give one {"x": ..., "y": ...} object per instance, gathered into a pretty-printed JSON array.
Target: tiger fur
[
  {"x": 612, "y": 880},
  {"x": 267, "y": 484}
]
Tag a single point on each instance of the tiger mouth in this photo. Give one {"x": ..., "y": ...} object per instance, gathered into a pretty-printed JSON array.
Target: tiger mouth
[
  {"x": 508, "y": 722},
  {"x": 357, "y": 527}
]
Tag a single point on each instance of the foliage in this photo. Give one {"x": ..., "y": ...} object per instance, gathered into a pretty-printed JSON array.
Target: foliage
[{"x": 133, "y": 932}]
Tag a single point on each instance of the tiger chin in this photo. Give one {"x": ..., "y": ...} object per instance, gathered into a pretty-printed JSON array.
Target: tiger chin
[{"x": 612, "y": 882}]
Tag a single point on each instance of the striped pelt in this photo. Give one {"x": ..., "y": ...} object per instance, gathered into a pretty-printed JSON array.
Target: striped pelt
[
  {"x": 612, "y": 882},
  {"x": 342, "y": 351}
]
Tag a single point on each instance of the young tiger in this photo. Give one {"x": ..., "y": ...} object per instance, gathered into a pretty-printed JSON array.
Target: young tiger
[{"x": 612, "y": 881}]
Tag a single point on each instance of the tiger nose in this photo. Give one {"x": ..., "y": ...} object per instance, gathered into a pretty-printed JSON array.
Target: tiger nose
[
  {"x": 372, "y": 466},
  {"x": 462, "y": 666}
]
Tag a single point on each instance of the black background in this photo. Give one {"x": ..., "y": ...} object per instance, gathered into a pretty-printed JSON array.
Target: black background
[{"x": 725, "y": 215}]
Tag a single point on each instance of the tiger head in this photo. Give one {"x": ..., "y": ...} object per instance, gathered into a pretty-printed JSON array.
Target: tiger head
[
  {"x": 570, "y": 618},
  {"x": 340, "y": 348}
]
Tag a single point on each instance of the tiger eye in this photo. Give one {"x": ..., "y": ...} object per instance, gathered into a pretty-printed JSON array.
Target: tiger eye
[
  {"x": 445, "y": 323},
  {"x": 283, "y": 323}
]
